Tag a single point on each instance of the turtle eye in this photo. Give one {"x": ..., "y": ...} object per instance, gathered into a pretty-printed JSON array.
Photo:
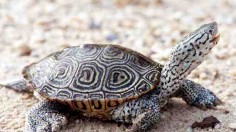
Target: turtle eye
[{"x": 209, "y": 31}]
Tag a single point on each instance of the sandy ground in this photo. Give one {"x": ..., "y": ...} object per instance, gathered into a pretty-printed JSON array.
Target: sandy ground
[{"x": 151, "y": 28}]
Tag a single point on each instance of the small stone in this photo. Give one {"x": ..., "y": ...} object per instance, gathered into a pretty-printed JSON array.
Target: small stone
[
  {"x": 232, "y": 72},
  {"x": 195, "y": 74},
  {"x": 226, "y": 112},
  {"x": 111, "y": 37},
  {"x": 234, "y": 113},
  {"x": 26, "y": 96},
  {"x": 64, "y": 45},
  {"x": 45, "y": 23},
  {"x": 24, "y": 50},
  {"x": 122, "y": 3},
  {"x": 189, "y": 129},
  {"x": 215, "y": 74},
  {"x": 159, "y": 1},
  {"x": 77, "y": 121},
  {"x": 203, "y": 76},
  {"x": 210, "y": 121},
  {"x": 217, "y": 126},
  {"x": 232, "y": 125},
  {"x": 94, "y": 25}
]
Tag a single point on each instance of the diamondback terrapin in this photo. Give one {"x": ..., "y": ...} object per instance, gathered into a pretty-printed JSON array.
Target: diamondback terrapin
[{"x": 115, "y": 83}]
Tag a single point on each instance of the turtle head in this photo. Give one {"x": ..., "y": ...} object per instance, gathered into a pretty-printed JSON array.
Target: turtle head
[
  {"x": 188, "y": 54},
  {"x": 192, "y": 49}
]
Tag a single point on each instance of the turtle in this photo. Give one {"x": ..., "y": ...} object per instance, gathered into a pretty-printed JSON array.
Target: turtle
[{"x": 112, "y": 82}]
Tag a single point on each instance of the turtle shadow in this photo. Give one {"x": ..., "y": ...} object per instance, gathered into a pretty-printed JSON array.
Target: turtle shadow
[
  {"x": 177, "y": 115},
  {"x": 80, "y": 123},
  {"x": 176, "y": 112}
]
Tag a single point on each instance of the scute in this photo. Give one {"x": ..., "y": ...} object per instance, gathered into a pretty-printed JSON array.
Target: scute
[{"x": 93, "y": 77}]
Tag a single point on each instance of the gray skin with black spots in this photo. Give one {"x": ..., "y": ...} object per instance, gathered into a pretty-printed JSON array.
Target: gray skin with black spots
[
  {"x": 142, "y": 112},
  {"x": 196, "y": 95},
  {"x": 46, "y": 117}
]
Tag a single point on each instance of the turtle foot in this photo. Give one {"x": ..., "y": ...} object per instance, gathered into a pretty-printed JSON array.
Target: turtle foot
[
  {"x": 196, "y": 95},
  {"x": 45, "y": 117},
  {"x": 206, "y": 100}
]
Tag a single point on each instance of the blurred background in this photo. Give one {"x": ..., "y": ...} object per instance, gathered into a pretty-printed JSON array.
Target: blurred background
[{"x": 32, "y": 29}]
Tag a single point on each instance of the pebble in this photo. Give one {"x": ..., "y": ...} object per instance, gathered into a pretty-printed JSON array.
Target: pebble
[
  {"x": 226, "y": 112},
  {"x": 94, "y": 25},
  {"x": 26, "y": 96},
  {"x": 215, "y": 74},
  {"x": 111, "y": 37},
  {"x": 77, "y": 121},
  {"x": 64, "y": 45},
  {"x": 122, "y": 3},
  {"x": 207, "y": 122},
  {"x": 24, "y": 50},
  {"x": 195, "y": 74},
  {"x": 234, "y": 113},
  {"x": 232, "y": 125},
  {"x": 203, "y": 76},
  {"x": 232, "y": 72},
  {"x": 189, "y": 129},
  {"x": 217, "y": 126}
]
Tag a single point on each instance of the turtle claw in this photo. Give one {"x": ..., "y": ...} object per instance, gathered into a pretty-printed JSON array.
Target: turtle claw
[{"x": 218, "y": 102}]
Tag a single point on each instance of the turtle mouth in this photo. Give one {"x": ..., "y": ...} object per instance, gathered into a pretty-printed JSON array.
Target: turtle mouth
[{"x": 215, "y": 38}]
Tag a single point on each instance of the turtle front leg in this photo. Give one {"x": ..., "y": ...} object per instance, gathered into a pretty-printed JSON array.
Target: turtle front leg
[
  {"x": 142, "y": 113},
  {"x": 19, "y": 86},
  {"x": 196, "y": 95},
  {"x": 46, "y": 117}
]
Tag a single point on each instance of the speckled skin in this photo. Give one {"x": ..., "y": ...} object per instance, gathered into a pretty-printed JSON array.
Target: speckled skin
[
  {"x": 196, "y": 95},
  {"x": 185, "y": 57},
  {"x": 143, "y": 112},
  {"x": 46, "y": 117}
]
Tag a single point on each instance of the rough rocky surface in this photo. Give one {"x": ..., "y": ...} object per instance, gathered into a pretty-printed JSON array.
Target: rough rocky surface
[{"x": 150, "y": 27}]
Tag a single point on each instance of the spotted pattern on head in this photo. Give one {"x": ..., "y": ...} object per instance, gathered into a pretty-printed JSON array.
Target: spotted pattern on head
[{"x": 186, "y": 56}]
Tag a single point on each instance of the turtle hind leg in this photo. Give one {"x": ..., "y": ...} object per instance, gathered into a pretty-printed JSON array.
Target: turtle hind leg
[
  {"x": 19, "y": 86},
  {"x": 196, "y": 95},
  {"x": 143, "y": 121},
  {"x": 143, "y": 112},
  {"x": 46, "y": 117}
]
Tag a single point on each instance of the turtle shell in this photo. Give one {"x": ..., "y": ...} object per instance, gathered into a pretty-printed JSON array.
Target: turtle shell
[{"x": 93, "y": 77}]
